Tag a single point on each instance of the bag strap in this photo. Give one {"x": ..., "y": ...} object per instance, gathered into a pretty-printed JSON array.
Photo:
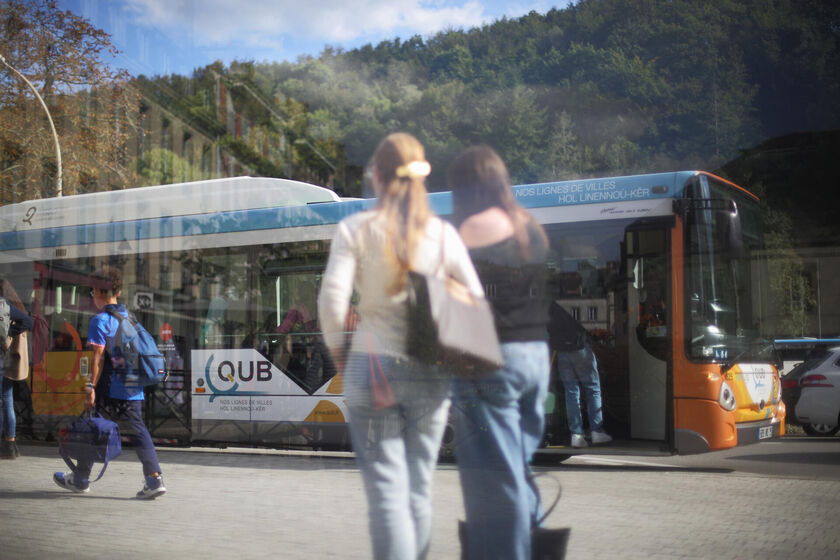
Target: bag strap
[
  {"x": 533, "y": 477},
  {"x": 102, "y": 470},
  {"x": 120, "y": 317},
  {"x": 75, "y": 468}
]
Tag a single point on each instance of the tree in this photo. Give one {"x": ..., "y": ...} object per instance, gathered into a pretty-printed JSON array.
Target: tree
[
  {"x": 563, "y": 157},
  {"x": 162, "y": 167},
  {"x": 95, "y": 113}
]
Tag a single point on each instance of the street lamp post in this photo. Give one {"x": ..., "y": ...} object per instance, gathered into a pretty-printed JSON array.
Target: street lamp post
[{"x": 49, "y": 118}]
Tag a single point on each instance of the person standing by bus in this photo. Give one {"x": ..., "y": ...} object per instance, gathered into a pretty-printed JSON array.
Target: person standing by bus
[
  {"x": 109, "y": 394},
  {"x": 397, "y": 406},
  {"x": 577, "y": 368},
  {"x": 17, "y": 321},
  {"x": 499, "y": 421}
]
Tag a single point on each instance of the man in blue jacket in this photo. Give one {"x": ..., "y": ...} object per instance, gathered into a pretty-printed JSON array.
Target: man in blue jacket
[{"x": 108, "y": 391}]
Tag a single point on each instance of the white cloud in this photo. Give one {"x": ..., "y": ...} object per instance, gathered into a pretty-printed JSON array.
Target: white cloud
[
  {"x": 264, "y": 23},
  {"x": 517, "y": 9}
]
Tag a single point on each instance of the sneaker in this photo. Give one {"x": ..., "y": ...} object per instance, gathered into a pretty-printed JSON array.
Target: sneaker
[
  {"x": 600, "y": 437},
  {"x": 152, "y": 488},
  {"x": 579, "y": 441},
  {"x": 16, "y": 450},
  {"x": 65, "y": 480}
]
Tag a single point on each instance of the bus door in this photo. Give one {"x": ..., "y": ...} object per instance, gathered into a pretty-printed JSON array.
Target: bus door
[{"x": 648, "y": 320}]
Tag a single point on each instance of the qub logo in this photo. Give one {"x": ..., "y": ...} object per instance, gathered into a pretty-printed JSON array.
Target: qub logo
[{"x": 236, "y": 377}]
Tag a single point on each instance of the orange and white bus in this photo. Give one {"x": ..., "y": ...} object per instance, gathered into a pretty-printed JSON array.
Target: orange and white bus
[{"x": 660, "y": 269}]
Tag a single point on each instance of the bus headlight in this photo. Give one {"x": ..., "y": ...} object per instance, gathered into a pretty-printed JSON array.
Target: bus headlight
[{"x": 726, "y": 398}]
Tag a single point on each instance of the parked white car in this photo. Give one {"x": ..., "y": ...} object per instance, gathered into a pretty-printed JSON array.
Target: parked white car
[{"x": 812, "y": 392}]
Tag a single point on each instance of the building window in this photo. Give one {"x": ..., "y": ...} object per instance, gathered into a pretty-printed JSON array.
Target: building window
[
  {"x": 593, "y": 313},
  {"x": 576, "y": 313}
]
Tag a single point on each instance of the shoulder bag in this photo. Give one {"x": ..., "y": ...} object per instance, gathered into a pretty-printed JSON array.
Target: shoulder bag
[
  {"x": 448, "y": 326},
  {"x": 16, "y": 360}
]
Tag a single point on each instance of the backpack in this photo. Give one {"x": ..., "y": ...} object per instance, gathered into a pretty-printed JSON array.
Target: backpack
[
  {"x": 90, "y": 438},
  {"x": 134, "y": 352},
  {"x": 5, "y": 325}
]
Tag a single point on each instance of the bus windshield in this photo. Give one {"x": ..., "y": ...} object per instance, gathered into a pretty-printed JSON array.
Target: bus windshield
[{"x": 723, "y": 314}]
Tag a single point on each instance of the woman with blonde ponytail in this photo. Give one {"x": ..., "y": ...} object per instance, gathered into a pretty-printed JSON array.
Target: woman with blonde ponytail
[{"x": 398, "y": 407}]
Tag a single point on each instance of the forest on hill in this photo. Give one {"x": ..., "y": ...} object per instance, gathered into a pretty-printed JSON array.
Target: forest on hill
[
  {"x": 599, "y": 88},
  {"x": 602, "y": 87}
]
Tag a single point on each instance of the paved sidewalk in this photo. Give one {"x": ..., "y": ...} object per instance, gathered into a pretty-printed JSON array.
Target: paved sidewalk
[{"x": 271, "y": 504}]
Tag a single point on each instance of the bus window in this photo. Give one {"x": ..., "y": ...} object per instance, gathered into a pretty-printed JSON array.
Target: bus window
[
  {"x": 723, "y": 320},
  {"x": 290, "y": 334}
]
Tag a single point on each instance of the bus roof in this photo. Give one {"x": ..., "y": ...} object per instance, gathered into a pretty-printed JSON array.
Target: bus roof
[
  {"x": 179, "y": 199},
  {"x": 243, "y": 204}
]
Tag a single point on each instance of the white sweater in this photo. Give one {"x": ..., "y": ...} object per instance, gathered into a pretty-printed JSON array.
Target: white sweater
[{"x": 362, "y": 265}]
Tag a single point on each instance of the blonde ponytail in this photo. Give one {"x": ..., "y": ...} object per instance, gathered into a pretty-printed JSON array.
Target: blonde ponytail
[{"x": 402, "y": 168}]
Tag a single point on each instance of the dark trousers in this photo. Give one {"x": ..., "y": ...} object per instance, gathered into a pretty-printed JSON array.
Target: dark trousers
[{"x": 129, "y": 416}]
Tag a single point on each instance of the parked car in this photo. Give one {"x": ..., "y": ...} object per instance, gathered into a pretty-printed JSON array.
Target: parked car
[{"x": 811, "y": 392}]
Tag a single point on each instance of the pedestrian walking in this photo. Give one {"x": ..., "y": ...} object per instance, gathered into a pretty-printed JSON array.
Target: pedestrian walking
[
  {"x": 13, "y": 321},
  {"x": 499, "y": 416},
  {"x": 108, "y": 393},
  {"x": 397, "y": 406}
]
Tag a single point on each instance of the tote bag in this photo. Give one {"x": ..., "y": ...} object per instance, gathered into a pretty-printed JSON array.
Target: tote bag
[
  {"x": 449, "y": 327},
  {"x": 16, "y": 360}
]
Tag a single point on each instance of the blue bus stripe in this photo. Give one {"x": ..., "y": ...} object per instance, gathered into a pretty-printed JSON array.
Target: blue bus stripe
[{"x": 566, "y": 193}]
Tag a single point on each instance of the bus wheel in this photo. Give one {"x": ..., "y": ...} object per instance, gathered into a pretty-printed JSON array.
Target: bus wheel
[{"x": 820, "y": 429}]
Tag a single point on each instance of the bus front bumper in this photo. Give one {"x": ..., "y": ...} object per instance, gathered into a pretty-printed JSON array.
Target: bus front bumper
[{"x": 753, "y": 432}]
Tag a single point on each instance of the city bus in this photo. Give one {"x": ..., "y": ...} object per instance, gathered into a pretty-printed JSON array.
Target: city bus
[{"x": 660, "y": 269}]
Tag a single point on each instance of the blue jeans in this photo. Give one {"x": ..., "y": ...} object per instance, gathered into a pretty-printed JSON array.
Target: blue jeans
[
  {"x": 577, "y": 369},
  {"x": 138, "y": 435},
  {"x": 396, "y": 449},
  {"x": 498, "y": 425},
  {"x": 8, "y": 416}
]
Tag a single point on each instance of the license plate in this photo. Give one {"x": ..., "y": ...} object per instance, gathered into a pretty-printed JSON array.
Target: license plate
[{"x": 765, "y": 432}]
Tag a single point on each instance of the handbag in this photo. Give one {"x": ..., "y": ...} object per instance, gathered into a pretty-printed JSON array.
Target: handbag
[
  {"x": 89, "y": 438},
  {"x": 546, "y": 544},
  {"x": 449, "y": 327},
  {"x": 16, "y": 360}
]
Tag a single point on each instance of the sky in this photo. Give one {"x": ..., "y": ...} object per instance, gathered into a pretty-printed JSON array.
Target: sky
[{"x": 177, "y": 36}]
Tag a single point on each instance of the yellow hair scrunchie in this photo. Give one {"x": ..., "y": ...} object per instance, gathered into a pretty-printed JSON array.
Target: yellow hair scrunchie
[{"x": 414, "y": 169}]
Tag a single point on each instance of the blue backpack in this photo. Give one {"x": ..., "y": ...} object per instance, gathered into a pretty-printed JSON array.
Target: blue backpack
[
  {"x": 134, "y": 352},
  {"x": 89, "y": 438}
]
